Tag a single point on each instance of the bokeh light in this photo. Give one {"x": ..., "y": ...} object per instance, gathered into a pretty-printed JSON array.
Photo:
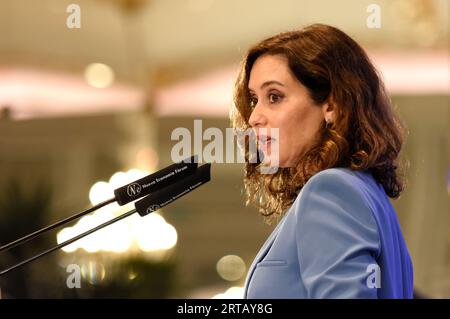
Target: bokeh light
[
  {"x": 231, "y": 293},
  {"x": 149, "y": 234},
  {"x": 99, "y": 75},
  {"x": 231, "y": 267}
]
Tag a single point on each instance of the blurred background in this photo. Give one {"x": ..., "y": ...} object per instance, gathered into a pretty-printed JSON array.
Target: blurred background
[{"x": 86, "y": 108}]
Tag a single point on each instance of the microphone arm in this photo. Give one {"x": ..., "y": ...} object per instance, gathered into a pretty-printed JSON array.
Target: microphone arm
[
  {"x": 145, "y": 206},
  {"x": 67, "y": 242},
  {"x": 28, "y": 237},
  {"x": 123, "y": 195}
]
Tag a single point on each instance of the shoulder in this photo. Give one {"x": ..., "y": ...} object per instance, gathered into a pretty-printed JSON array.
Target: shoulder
[
  {"x": 336, "y": 235},
  {"x": 342, "y": 183},
  {"x": 338, "y": 195},
  {"x": 343, "y": 177},
  {"x": 347, "y": 185}
]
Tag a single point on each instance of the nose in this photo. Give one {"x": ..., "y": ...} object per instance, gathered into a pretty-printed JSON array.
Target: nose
[{"x": 257, "y": 117}]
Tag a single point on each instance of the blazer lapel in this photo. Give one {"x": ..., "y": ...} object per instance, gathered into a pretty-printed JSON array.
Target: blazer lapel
[{"x": 262, "y": 253}]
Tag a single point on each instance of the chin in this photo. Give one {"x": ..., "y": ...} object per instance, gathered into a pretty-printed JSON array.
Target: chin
[
  {"x": 285, "y": 163},
  {"x": 282, "y": 163}
]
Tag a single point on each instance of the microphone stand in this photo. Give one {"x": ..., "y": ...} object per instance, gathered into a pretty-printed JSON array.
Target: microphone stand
[{"x": 67, "y": 242}]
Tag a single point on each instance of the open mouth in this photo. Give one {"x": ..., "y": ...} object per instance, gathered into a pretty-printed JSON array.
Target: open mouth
[{"x": 264, "y": 140}]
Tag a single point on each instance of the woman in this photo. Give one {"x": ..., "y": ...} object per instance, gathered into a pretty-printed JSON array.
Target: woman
[{"x": 338, "y": 235}]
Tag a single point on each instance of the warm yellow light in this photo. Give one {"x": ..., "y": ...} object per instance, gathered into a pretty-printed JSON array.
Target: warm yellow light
[
  {"x": 153, "y": 233},
  {"x": 94, "y": 272},
  {"x": 100, "y": 192},
  {"x": 118, "y": 179},
  {"x": 99, "y": 75},
  {"x": 62, "y": 236},
  {"x": 230, "y": 267},
  {"x": 231, "y": 293},
  {"x": 132, "y": 275},
  {"x": 135, "y": 174},
  {"x": 150, "y": 234}
]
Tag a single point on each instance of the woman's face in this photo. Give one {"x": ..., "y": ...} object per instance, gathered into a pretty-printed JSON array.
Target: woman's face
[{"x": 280, "y": 101}]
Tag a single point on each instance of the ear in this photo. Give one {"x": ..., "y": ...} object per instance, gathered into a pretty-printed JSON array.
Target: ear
[{"x": 328, "y": 110}]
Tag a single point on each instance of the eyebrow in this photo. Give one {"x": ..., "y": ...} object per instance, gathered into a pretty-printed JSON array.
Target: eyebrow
[{"x": 268, "y": 83}]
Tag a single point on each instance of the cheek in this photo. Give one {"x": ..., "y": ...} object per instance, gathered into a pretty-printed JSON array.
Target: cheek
[
  {"x": 293, "y": 125},
  {"x": 298, "y": 128}
]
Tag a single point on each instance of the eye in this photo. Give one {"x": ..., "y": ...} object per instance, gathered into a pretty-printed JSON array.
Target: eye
[
  {"x": 253, "y": 101},
  {"x": 274, "y": 98}
]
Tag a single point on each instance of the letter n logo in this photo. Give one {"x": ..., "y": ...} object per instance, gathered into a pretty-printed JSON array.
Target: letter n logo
[{"x": 134, "y": 189}]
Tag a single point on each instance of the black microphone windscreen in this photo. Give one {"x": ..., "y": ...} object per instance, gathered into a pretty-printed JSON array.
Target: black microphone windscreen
[
  {"x": 165, "y": 196},
  {"x": 155, "y": 181}
]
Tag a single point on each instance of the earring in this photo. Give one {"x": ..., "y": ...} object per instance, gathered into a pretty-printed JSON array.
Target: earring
[{"x": 327, "y": 123}]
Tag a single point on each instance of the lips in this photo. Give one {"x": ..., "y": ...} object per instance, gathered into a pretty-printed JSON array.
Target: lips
[{"x": 264, "y": 139}]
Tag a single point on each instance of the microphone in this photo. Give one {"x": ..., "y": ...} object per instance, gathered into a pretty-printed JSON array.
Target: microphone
[
  {"x": 145, "y": 206},
  {"x": 152, "y": 182},
  {"x": 125, "y": 194},
  {"x": 165, "y": 196}
]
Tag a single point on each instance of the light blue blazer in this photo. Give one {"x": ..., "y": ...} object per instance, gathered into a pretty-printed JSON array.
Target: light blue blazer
[{"x": 339, "y": 239}]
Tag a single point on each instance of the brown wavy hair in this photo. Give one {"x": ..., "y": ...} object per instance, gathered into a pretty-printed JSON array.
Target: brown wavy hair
[{"x": 366, "y": 133}]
